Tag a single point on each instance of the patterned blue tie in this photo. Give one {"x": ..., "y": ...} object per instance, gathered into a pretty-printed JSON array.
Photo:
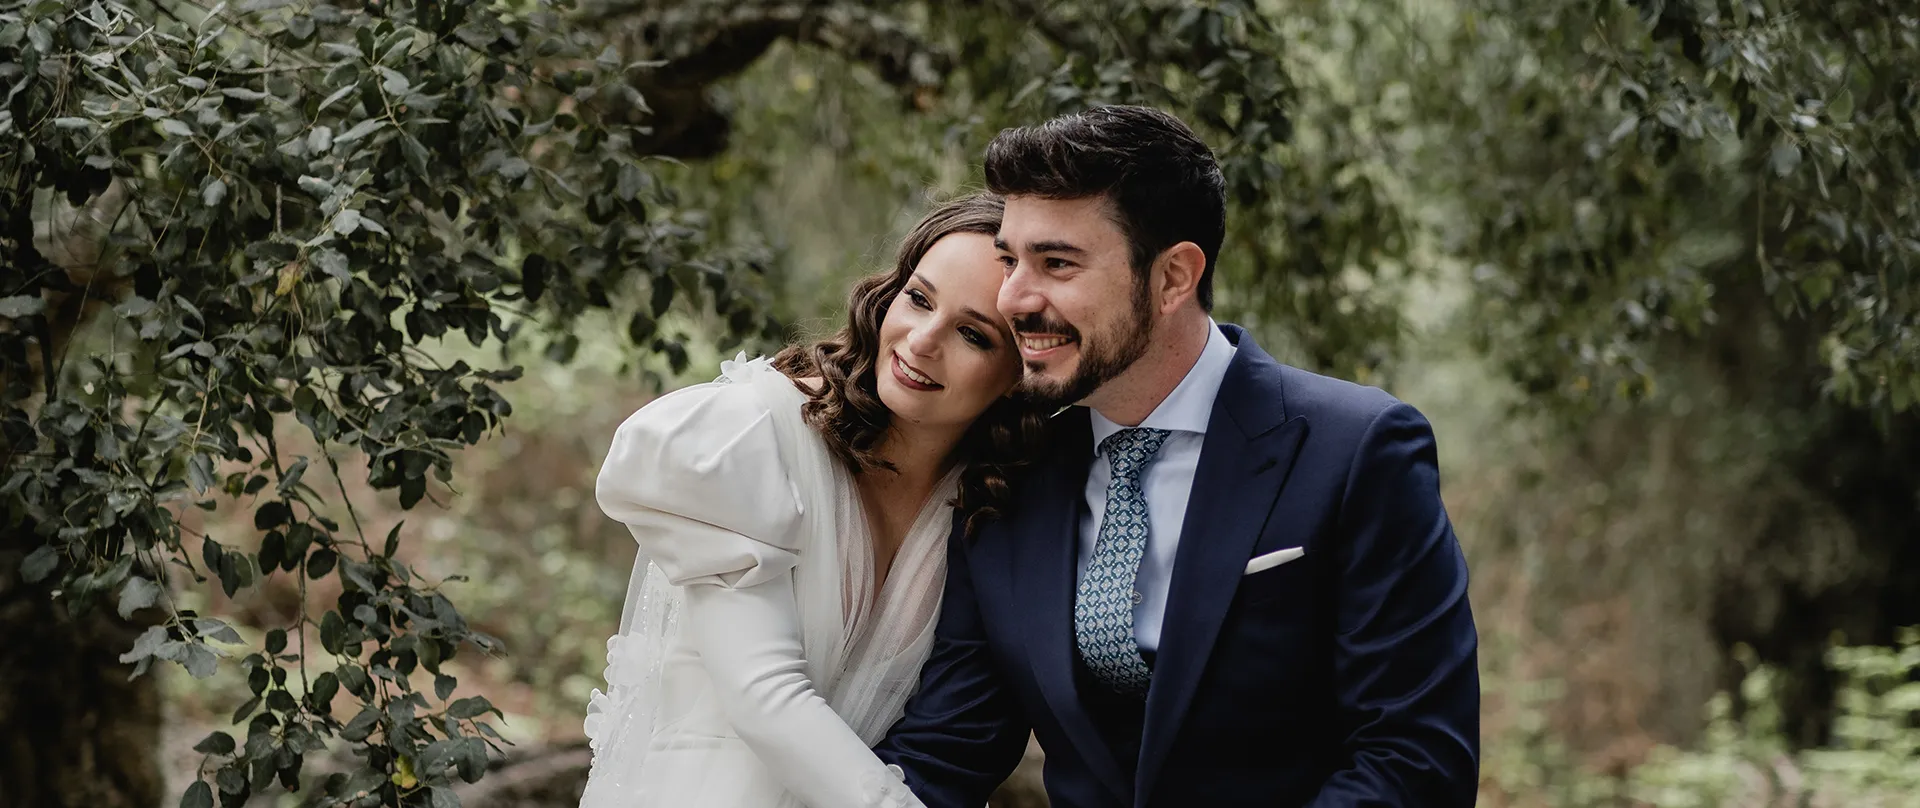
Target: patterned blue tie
[{"x": 1103, "y": 610}]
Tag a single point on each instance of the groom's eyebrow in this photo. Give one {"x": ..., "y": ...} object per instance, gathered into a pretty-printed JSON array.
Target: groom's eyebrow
[
  {"x": 1040, "y": 247},
  {"x": 1054, "y": 247}
]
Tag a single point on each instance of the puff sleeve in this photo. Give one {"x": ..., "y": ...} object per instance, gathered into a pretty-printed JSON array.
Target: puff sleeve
[{"x": 697, "y": 477}]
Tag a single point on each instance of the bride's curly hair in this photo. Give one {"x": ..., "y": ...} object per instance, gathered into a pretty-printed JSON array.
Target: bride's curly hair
[{"x": 846, "y": 408}]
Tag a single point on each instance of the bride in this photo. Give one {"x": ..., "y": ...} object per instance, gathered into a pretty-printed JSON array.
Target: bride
[{"x": 792, "y": 520}]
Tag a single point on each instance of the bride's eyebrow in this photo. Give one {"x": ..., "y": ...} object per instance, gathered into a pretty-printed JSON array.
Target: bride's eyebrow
[{"x": 971, "y": 313}]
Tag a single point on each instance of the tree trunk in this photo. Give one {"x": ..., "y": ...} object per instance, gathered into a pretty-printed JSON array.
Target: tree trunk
[{"x": 74, "y": 731}]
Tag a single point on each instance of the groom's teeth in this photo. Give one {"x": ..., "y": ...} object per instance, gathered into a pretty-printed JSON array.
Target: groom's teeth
[{"x": 1043, "y": 343}]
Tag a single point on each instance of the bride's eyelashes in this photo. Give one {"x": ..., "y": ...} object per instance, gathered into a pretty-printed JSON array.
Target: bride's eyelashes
[{"x": 972, "y": 335}]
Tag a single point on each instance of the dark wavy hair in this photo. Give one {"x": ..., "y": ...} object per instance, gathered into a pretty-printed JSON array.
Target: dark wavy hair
[{"x": 846, "y": 408}]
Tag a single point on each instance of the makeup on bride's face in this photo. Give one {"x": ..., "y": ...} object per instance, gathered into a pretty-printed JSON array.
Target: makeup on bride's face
[{"x": 945, "y": 352}]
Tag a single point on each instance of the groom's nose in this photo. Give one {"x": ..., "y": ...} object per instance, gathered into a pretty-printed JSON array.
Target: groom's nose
[{"x": 1018, "y": 293}]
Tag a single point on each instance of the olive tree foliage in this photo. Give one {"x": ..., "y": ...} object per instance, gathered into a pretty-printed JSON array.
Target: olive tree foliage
[
  {"x": 1670, "y": 152},
  {"x": 1713, "y": 204},
  {"x": 1317, "y": 238},
  {"x": 219, "y": 215}
]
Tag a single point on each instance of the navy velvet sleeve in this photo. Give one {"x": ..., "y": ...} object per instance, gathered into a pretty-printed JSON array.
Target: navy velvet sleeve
[
  {"x": 963, "y": 732},
  {"x": 1405, "y": 649}
]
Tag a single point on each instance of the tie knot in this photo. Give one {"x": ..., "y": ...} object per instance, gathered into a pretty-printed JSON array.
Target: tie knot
[{"x": 1129, "y": 449}]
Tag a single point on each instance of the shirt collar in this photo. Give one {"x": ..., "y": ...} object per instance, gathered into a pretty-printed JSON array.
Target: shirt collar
[{"x": 1190, "y": 405}]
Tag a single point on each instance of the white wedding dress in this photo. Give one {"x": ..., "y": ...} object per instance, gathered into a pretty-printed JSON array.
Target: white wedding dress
[{"x": 755, "y": 664}]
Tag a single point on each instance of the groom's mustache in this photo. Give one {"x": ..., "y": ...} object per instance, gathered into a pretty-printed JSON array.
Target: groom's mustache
[{"x": 1030, "y": 324}]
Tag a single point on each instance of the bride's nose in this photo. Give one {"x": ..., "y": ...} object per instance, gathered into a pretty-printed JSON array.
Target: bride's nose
[{"x": 924, "y": 339}]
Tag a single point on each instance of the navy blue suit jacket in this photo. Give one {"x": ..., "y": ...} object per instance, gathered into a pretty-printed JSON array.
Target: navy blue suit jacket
[{"x": 1347, "y": 677}]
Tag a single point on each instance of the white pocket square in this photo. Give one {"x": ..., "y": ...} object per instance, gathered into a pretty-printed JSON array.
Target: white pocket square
[{"x": 1274, "y": 559}]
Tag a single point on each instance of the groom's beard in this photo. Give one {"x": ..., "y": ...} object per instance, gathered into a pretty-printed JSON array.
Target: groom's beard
[{"x": 1101, "y": 360}]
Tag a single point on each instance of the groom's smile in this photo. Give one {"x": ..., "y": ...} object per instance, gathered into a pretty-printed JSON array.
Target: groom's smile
[{"x": 1079, "y": 312}]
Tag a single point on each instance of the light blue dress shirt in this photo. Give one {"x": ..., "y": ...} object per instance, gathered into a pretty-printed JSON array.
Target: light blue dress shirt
[{"x": 1167, "y": 483}]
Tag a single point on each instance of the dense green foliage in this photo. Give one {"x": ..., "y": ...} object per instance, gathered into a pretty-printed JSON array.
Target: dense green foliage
[
  {"x": 285, "y": 201},
  {"x": 1693, "y": 217}
]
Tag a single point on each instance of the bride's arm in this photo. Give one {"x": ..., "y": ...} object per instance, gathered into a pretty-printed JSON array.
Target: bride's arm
[
  {"x": 698, "y": 479},
  {"x": 749, "y": 641}
]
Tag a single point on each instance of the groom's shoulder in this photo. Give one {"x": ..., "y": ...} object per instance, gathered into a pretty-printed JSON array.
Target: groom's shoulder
[{"x": 1332, "y": 404}]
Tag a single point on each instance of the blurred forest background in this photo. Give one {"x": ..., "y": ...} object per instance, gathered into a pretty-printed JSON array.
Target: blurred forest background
[{"x": 266, "y": 269}]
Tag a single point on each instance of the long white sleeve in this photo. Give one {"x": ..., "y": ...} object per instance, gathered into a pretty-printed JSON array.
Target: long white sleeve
[
  {"x": 749, "y": 641},
  {"x": 698, "y": 478}
]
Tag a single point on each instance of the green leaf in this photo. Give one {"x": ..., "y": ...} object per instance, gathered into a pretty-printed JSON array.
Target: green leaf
[
  {"x": 147, "y": 644},
  {"x": 39, "y": 564},
  {"x": 443, "y": 686},
  {"x": 415, "y": 153},
  {"x": 200, "y": 661},
  {"x": 246, "y": 709},
  {"x": 214, "y": 193},
  {"x": 346, "y": 222},
  {"x": 272, "y": 514},
  {"x": 200, "y": 473},
  {"x": 217, "y": 743},
  {"x": 641, "y": 328},
  {"x": 354, "y": 678},
  {"x": 325, "y": 686},
  {"x": 362, "y": 724},
  {"x": 393, "y": 539},
  {"x": 199, "y": 795},
  {"x": 301, "y": 28},
  {"x": 138, "y": 593},
  {"x": 276, "y": 641},
  {"x": 1785, "y": 157},
  {"x": 661, "y": 297},
  {"x": 321, "y": 563},
  {"x": 176, "y": 127},
  {"x": 216, "y": 629},
  {"x": 470, "y": 707},
  {"x": 22, "y": 306},
  {"x": 332, "y": 262},
  {"x": 1841, "y": 107},
  {"x": 336, "y": 95},
  {"x": 360, "y": 130},
  {"x": 395, "y": 82},
  {"x": 333, "y": 632},
  {"x": 316, "y": 187},
  {"x": 442, "y": 797}
]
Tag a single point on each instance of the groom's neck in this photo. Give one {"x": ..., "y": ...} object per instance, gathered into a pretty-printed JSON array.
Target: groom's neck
[{"x": 1172, "y": 350}]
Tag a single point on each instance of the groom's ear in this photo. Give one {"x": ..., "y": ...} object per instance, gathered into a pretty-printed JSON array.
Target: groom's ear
[{"x": 1176, "y": 276}]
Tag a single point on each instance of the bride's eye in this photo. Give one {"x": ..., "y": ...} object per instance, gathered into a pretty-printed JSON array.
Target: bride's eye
[
  {"x": 919, "y": 299},
  {"x": 978, "y": 339}
]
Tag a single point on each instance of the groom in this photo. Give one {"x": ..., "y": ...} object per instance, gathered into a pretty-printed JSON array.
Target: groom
[{"x": 1230, "y": 582}]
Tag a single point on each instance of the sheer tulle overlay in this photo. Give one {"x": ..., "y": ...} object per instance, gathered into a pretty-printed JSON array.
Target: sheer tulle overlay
[{"x": 752, "y": 611}]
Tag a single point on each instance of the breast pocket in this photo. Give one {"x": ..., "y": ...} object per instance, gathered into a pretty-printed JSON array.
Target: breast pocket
[{"x": 1278, "y": 575}]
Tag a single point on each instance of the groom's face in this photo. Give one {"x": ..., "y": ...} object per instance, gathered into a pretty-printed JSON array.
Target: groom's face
[{"x": 1078, "y": 311}]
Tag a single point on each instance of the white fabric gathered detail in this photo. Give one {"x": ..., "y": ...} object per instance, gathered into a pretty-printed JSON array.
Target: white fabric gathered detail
[{"x": 862, "y": 649}]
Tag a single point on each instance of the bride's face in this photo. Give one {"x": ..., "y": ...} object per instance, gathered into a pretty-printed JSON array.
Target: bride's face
[{"x": 945, "y": 352}]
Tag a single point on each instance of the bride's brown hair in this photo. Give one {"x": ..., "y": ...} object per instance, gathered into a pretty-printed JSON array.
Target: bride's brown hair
[{"x": 846, "y": 408}]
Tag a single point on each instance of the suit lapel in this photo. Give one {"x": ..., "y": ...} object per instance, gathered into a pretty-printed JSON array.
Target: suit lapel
[
  {"x": 1047, "y": 575},
  {"x": 1249, "y": 449}
]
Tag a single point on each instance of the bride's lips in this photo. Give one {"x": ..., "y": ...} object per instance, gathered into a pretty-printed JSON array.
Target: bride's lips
[
  {"x": 904, "y": 373},
  {"x": 1037, "y": 347}
]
